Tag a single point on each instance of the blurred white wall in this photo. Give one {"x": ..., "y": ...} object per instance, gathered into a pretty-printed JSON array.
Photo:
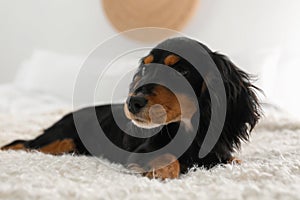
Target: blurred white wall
[
  {"x": 235, "y": 25},
  {"x": 76, "y": 26},
  {"x": 64, "y": 26}
]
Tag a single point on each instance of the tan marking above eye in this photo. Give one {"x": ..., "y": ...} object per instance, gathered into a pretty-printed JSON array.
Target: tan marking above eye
[
  {"x": 171, "y": 59},
  {"x": 148, "y": 59}
]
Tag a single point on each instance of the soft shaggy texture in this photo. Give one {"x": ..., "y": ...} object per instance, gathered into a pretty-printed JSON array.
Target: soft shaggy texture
[{"x": 270, "y": 168}]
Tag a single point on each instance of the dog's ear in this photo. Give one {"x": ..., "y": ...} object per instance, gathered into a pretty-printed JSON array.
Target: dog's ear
[{"x": 243, "y": 109}]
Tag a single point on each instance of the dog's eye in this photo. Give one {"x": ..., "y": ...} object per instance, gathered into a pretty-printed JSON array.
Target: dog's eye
[{"x": 183, "y": 72}]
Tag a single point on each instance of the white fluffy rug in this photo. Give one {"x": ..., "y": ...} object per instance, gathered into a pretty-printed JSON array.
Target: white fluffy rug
[{"x": 271, "y": 169}]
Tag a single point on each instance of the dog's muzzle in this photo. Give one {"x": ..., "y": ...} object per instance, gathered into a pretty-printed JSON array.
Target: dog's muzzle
[{"x": 136, "y": 103}]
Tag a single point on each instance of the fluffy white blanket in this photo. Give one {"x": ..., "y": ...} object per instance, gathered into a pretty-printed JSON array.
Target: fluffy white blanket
[{"x": 270, "y": 168}]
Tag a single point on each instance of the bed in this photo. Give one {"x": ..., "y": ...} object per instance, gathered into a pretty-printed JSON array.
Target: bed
[{"x": 270, "y": 168}]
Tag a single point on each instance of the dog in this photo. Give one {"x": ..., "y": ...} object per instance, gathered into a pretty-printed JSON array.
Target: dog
[{"x": 152, "y": 107}]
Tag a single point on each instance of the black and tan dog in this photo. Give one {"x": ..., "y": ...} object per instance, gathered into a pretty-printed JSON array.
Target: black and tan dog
[{"x": 140, "y": 115}]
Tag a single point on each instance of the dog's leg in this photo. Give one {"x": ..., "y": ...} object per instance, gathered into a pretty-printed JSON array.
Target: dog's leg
[
  {"x": 59, "y": 139},
  {"x": 162, "y": 167},
  {"x": 15, "y": 145},
  {"x": 55, "y": 147}
]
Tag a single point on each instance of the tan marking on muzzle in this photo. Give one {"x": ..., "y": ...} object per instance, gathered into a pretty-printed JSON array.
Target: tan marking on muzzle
[
  {"x": 164, "y": 107},
  {"x": 176, "y": 107}
]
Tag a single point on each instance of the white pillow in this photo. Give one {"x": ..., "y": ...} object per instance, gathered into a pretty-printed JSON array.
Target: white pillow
[
  {"x": 277, "y": 70},
  {"x": 49, "y": 72},
  {"x": 17, "y": 101},
  {"x": 262, "y": 65},
  {"x": 56, "y": 75},
  {"x": 285, "y": 89}
]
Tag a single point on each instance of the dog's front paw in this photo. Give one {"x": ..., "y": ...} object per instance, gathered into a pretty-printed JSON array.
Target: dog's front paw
[
  {"x": 171, "y": 171},
  {"x": 162, "y": 167}
]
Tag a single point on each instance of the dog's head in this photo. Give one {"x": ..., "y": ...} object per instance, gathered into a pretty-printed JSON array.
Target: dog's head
[{"x": 151, "y": 104}]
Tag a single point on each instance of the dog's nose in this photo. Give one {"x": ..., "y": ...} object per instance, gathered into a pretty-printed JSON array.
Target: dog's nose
[{"x": 135, "y": 104}]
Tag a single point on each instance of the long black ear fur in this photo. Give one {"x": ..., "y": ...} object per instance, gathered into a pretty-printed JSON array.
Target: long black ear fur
[{"x": 243, "y": 109}]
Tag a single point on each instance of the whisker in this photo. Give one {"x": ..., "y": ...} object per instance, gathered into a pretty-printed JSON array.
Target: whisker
[{"x": 168, "y": 132}]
